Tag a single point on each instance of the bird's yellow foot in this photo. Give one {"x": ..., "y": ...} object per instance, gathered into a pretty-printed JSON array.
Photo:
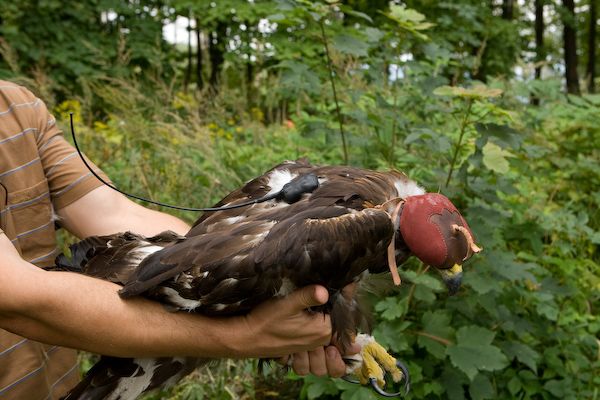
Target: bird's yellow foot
[{"x": 372, "y": 363}]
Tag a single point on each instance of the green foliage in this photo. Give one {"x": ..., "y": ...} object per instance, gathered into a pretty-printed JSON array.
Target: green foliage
[
  {"x": 64, "y": 45},
  {"x": 474, "y": 352}
]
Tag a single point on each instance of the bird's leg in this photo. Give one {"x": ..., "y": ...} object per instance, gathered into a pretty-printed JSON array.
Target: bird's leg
[{"x": 371, "y": 364}]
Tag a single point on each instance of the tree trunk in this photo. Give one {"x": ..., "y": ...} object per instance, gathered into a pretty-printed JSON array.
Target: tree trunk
[
  {"x": 591, "y": 66},
  {"x": 540, "y": 55},
  {"x": 199, "y": 80},
  {"x": 216, "y": 52},
  {"x": 249, "y": 68},
  {"x": 508, "y": 9},
  {"x": 188, "y": 69},
  {"x": 570, "y": 47},
  {"x": 540, "y": 51}
]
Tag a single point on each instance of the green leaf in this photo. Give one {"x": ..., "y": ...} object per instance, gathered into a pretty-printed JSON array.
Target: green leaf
[
  {"x": 408, "y": 18},
  {"x": 515, "y": 271},
  {"x": 436, "y": 324},
  {"x": 474, "y": 351},
  {"x": 481, "y": 282},
  {"x": 475, "y": 92},
  {"x": 373, "y": 34},
  {"x": 319, "y": 386},
  {"x": 434, "y": 387},
  {"x": 556, "y": 387},
  {"x": 347, "y": 10},
  {"x": 297, "y": 76},
  {"x": 523, "y": 353},
  {"x": 392, "y": 308},
  {"x": 390, "y": 335},
  {"x": 504, "y": 136},
  {"x": 481, "y": 388},
  {"x": 276, "y": 17},
  {"x": 315, "y": 15},
  {"x": 360, "y": 393},
  {"x": 416, "y": 372},
  {"x": 402, "y": 13},
  {"x": 453, "y": 382},
  {"x": 494, "y": 157},
  {"x": 548, "y": 309},
  {"x": 424, "y": 294},
  {"x": 424, "y": 280},
  {"x": 514, "y": 385},
  {"x": 285, "y": 5},
  {"x": 349, "y": 44}
]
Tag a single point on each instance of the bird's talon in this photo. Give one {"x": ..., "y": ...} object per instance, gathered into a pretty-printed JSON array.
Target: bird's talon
[
  {"x": 406, "y": 376},
  {"x": 375, "y": 363},
  {"x": 375, "y": 386},
  {"x": 348, "y": 379}
]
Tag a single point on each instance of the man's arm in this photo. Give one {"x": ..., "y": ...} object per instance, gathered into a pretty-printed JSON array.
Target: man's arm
[
  {"x": 86, "y": 313},
  {"x": 104, "y": 211}
]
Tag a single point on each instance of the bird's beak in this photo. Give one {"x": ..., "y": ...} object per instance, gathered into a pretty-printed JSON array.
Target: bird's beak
[{"x": 452, "y": 277}]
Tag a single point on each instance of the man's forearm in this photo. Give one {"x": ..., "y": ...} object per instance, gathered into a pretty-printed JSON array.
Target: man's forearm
[
  {"x": 77, "y": 311},
  {"x": 104, "y": 212},
  {"x": 85, "y": 313}
]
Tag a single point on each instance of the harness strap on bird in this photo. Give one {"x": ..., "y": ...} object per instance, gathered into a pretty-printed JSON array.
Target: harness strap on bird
[
  {"x": 471, "y": 246},
  {"x": 391, "y": 250}
]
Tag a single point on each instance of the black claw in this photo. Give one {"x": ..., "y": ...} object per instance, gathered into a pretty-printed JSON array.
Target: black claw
[
  {"x": 375, "y": 386},
  {"x": 350, "y": 380},
  {"x": 406, "y": 378},
  {"x": 404, "y": 370}
]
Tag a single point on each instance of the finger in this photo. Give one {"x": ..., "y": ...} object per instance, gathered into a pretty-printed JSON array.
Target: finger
[
  {"x": 316, "y": 359},
  {"x": 336, "y": 367},
  {"x": 283, "y": 360},
  {"x": 308, "y": 296},
  {"x": 300, "y": 363}
]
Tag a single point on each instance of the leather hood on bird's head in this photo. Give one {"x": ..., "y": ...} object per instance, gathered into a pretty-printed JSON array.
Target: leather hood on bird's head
[{"x": 435, "y": 231}]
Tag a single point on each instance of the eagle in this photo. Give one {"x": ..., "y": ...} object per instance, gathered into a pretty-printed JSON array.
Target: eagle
[{"x": 296, "y": 225}]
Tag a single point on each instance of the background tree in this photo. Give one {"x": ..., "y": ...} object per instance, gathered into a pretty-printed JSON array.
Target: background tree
[
  {"x": 591, "y": 57},
  {"x": 570, "y": 47}
]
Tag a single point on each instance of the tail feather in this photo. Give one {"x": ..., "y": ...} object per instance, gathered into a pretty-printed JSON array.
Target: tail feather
[
  {"x": 112, "y": 257},
  {"x": 81, "y": 253},
  {"x": 102, "y": 379},
  {"x": 128, "y": 378}
]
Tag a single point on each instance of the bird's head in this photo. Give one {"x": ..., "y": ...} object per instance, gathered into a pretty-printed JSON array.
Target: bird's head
[{"x": 438, "y": 235}]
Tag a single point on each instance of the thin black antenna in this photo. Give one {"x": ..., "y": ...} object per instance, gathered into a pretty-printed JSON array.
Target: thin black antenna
[{"x": 290, "y": 191}]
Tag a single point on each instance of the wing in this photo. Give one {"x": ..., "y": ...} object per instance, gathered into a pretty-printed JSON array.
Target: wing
[
  {"x": 217, "y": 274},
  {"x": 328, "y": 245}
]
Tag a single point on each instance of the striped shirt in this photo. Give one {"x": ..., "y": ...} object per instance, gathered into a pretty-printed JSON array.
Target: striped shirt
[{"x": 39, "y": 173}]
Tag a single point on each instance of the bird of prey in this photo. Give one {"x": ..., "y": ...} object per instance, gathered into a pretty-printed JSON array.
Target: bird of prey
[{"x": 326, "y": 225}]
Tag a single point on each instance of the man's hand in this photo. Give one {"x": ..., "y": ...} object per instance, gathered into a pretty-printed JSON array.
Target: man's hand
[
  {"x": 283, "y": 326},
  {"x": 323, "y": 360}
]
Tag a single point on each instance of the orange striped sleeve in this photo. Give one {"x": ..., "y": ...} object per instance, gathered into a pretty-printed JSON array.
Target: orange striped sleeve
[{"x": 68, "y": 178}]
